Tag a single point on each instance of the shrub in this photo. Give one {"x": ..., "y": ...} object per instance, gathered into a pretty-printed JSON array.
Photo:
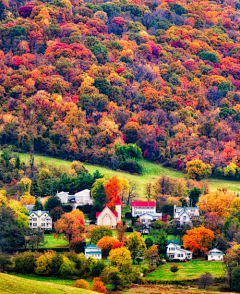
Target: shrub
[
  {"x": 67, "y": 269},
  {"x": 25, "y": 262},
  {"x": 98, "y": 286},
  {"x": 48, "y": 264},
  {"x": 97, "y": 268},
  {"x": 205, "y": 280},
  {"x": 128, "y": 215},
  {"x": 174, "y": 268},
  {"x": 81, "y": 284},
  {"x": 5, "y": 262}
]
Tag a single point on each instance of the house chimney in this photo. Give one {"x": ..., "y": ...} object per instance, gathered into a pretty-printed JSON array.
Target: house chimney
[{"x": 39, "y": 212}]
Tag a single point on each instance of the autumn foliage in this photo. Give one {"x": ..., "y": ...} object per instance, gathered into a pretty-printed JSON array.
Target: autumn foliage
[
  {"x": 198, "y": 240},
  {"x": 107, "y": 243}
]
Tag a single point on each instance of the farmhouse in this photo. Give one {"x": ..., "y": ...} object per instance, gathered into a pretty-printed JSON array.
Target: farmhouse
[
  {"x": 185, "y": 214},
  {"x": 147, "y": 218},
  {"x": 141, "y": 207},
  {"x": 107, "y": 217},
  {"x": 215, "y": 254},
  {"x": 93, "y": 251},
  {"x": 40, "y": 219},
  {"x": 82, "y": 197},
  {"x": 174, "y": 251}
]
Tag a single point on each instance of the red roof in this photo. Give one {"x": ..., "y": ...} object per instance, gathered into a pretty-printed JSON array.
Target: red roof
[
  {"x": 98, "y": 213},
  {"x": 144, "y": 203},
  {"x": 118, "y": 201}
]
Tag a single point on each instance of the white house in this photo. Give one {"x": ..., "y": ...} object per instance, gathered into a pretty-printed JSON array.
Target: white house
[
  {"x": 40, "y": 219},
  {"x": 147, "y": 218},
  {"x": 185, "y": 214},
  {"x": 110, "y": 218},
  {"x": 93, "y": 251},
  {"x": 174, "y": 251},
  {"x": 141, "y": 207},
  {"x": 82, "y": 197},
  {"x": 215, "y": 255}
]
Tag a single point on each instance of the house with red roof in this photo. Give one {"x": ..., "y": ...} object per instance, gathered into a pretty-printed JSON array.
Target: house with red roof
[
  {"x": 141, "y": 207},
  {"x": 108, "y": 217}
]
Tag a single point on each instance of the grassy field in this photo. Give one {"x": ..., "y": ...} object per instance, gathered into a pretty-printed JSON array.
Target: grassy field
[
  {"x": 188, "y": 270},
  {"x": 151, "y": 171},
  {"x": 16, "y": 285},
  {"x": 156, "y": 289},
  {"x": 50, "y": 242}
]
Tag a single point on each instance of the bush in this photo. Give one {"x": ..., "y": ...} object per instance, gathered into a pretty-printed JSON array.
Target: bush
[
  {"x": 205, "y": 280},
  {"x": 97, "y": 268},
  {"x": 131, "y": 166},
  {"x": 81, "y": 284},
  {"x": 174, "y": 268},
  {"x": 98, "y": 286},
  {"x": 48, "y": 264},
  {"x": 128, "y": 215},
  {"x": 25, "y": 262},
  {"x": 85, "y": 208},
  {"x": 5, "y": 262},
  {"x": 67, "y": 269},
  {"x": 129, "y": 230}
]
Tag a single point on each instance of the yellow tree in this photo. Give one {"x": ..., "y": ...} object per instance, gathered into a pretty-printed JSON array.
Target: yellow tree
[
  {"x": 217, "y": 203},
  {"x": 198, "y": 170},
  {"x": 120, "y": 257}
]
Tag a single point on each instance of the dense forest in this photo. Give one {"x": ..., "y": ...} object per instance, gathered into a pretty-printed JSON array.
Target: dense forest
[{"x": 80, "y": 79}]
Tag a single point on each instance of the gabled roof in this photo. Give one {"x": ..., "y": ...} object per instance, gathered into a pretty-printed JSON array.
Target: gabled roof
[
  {"x": 106, "y": 207},
  {"x": 173, "y": 242},
  {"x": 42, "y": 213},
  {"x": 144, "y": 203},
  {"x": 215, "y": 251},
  {"x": 93, "y": 246},
  {"x": 118, "y": 201}
]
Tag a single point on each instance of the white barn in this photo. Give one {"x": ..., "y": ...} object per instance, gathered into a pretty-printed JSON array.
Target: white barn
[
  {"x": 185, "y": 214},
  {"x": 215, "y": 255},
  {"x": 82, "y": 197},
  {"x": 93, "y": 251},
  {"x": 174, "y": 251}
]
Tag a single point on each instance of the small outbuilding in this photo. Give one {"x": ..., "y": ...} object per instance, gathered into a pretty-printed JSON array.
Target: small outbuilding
[
  {"x": 215, "y": 255},
  {"x": 93, "y": 251}
]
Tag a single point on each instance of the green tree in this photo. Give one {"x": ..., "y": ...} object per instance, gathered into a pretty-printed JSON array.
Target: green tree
[
  {"x": 38, "y": 206},
  {"x": 194, "y": 196},
  {"x": 136, "y": 245}
]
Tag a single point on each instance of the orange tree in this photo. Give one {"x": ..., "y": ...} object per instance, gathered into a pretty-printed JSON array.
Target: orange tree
[
  {"x": 106, "y": 243},
  {"x": 71, "y": 225},
  {"x": 198, "y": 240}
]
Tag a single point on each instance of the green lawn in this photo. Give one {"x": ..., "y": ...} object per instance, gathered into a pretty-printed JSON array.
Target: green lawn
[
  {"x": 188, "y": 270},
  {"x": 151, "y": 171},
  {"x": 50, "y": 242},
  {"x": 17, "y": 285}
]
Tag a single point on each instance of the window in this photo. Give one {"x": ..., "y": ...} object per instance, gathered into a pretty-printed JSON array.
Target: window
[
  {"x": 43, "y": 224},
  {"x": 34, "y": 224},
  {"x": 178, "y": 255},
  {"x": 34, "y": 219}
]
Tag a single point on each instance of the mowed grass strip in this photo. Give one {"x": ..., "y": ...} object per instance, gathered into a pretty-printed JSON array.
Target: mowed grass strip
[
  {"x": 188, "y": 270},
  {"x": 16, "y": 285},
  {"x": 151, "y": 171},
  {"x": 51, "y": 242}
]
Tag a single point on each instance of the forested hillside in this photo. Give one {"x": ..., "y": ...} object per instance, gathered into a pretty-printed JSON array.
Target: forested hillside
[{"x": 79, "y": 78}]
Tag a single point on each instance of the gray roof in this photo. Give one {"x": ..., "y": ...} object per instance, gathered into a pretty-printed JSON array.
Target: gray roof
[
  {"x": 152, "y": 214},
  {"x": 42, "y": 212},
  {"x": 215, "y": 251},
  {"x": 29, "y": 207}
]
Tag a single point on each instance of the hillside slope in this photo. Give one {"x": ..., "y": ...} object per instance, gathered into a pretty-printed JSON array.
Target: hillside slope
[
  {"x": 15, "y": 285},
  {"x": 150, "y": 172},
  {"x": 78, "y": 77}
]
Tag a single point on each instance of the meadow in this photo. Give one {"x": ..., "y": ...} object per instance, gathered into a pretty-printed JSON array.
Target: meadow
[
  {"x": 51, "y": 242},
  {"x": 151, "y": 171},
  {"x": 188, "y": 270},
  {"x": 18, "y": 285}
]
